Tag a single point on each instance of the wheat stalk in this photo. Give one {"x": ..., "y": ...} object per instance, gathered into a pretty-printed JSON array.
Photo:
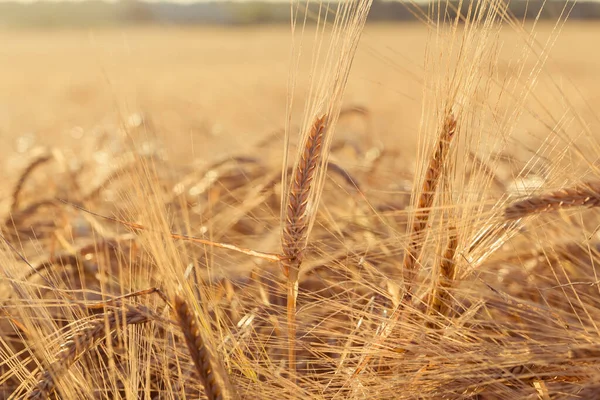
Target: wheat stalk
[
  {"x": 211, "y": 372},
  {"x": 582, "y": 195},
  {"x": 296, "y": 224},
  {"x": 82, "y": 341}
]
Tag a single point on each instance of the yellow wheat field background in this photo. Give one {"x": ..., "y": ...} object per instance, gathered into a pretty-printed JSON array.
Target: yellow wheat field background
[{"x": 202, "y": 86}]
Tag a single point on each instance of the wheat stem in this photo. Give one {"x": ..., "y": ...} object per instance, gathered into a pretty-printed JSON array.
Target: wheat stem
[{"x": 253, "y": 253}]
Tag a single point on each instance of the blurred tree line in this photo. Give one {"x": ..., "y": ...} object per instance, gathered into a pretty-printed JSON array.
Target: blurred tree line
[{"x": 100, "y": 13}]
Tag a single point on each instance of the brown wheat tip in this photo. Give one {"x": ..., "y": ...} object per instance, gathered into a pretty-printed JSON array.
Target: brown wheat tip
[
  {"x": 82, "y": 341},
  {"x": 581, "y": 195},
  {"x": 212, "y": 374}
]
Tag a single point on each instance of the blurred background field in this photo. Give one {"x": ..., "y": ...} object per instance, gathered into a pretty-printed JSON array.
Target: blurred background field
[{"x": 199, "y": 86}]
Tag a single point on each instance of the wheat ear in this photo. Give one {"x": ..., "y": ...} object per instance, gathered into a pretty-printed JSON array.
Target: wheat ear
[
  {"x": 439, "y": 300},
  {"x": 211, "y": 372},
  {"x": 424, "y": 204},
  {"x": 426, "y": 197},
  {"x": 82, "y": 341},
  {"x": 582, "y": 195},
  {"x": 296, "y": 224}
]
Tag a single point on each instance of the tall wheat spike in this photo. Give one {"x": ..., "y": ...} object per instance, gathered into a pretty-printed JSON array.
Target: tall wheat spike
[
  {"x": 447, "y": 273},
  {"x": 582, "y": 195},
  {"x": 212, "y": 374},
  {"x": 328, "y": 79},
  {"x": 425, "y": 202},
  {"x": 296, "y": 225}
]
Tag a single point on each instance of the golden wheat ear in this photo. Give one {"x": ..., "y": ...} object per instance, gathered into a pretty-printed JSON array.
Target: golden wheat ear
[
  {"x": 412, "y": 254},
  {"x": 581, "y": 195},
  {"x": 433, "y": 173},
  {"x": 212, "y": 374},
  {"x": 295, "y": 229}
]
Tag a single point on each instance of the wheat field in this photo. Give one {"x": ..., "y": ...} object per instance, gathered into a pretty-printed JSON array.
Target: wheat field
[
  {"x": 409, "y": 211},
  {"x": 200, "y": 85}
]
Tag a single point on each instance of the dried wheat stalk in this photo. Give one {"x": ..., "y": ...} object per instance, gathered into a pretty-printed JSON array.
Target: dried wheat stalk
[
  {"x": 14, "y": 219},
  {"x": 582, "y": 195},
  {"x": 212, "y": 374},
  {"x": 440, "y": 297},
  {"x": 296, "y": 225},
  {"x": 83, "y": 340},
  {"x": 21, "y": 182}
]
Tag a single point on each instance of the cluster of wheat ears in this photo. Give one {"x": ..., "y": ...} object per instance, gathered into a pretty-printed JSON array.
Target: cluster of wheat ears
[{"x": 157, "y": 281}]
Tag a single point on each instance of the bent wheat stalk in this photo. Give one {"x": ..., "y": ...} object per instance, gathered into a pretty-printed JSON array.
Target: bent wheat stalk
[
  {"x": 21, "y": 182},
  {"x": 297, "y": 221},
  {"x": 211, "y": 372},
  {"x": 582, "y": 195},
  {"x": 82, "y": 341}
]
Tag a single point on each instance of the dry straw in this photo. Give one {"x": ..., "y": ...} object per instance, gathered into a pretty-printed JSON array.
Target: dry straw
[{"x": 82, "y": 341}]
